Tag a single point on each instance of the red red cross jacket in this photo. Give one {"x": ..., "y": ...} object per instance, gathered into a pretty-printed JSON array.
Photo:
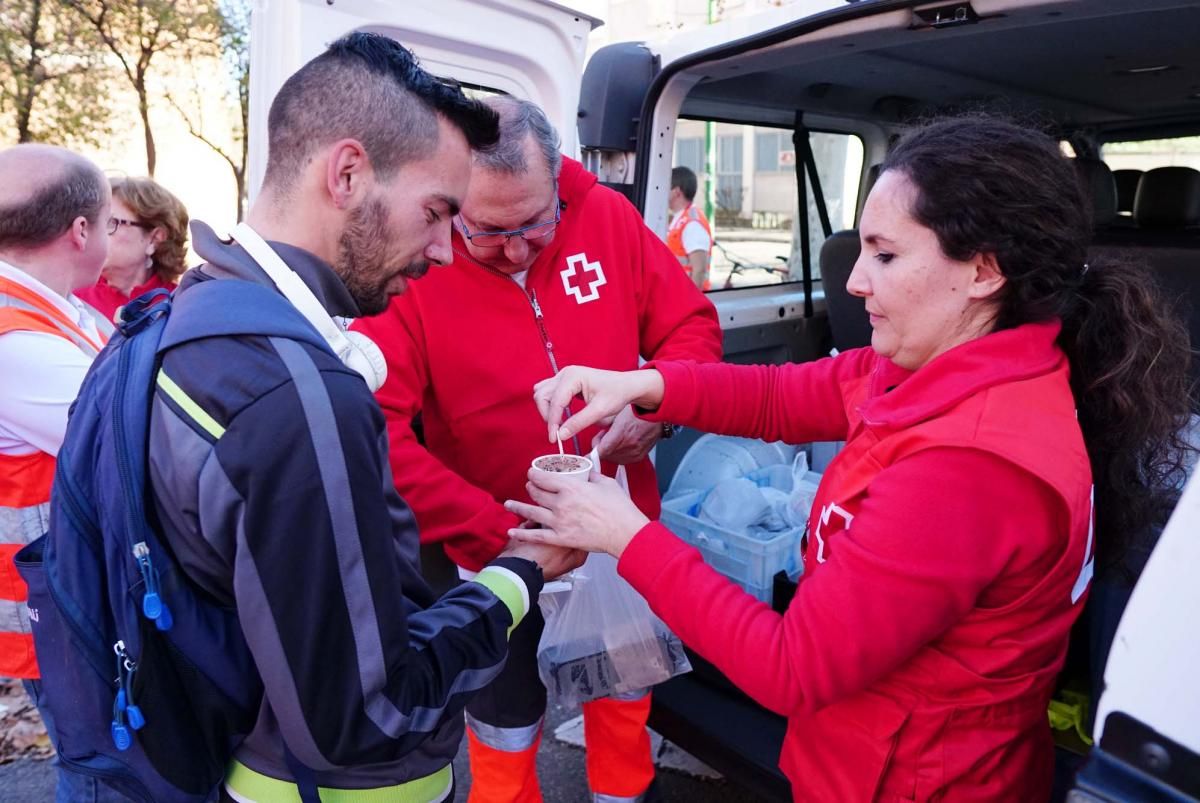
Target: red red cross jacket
[
  {"x": 465, "y": 346},
  {"x": 949, "y": 553}
]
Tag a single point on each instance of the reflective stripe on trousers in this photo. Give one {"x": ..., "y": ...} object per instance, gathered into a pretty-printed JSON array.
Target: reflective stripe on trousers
[
  {"x": 509, "y": 740},
  {"x": 599, "y": 798}
]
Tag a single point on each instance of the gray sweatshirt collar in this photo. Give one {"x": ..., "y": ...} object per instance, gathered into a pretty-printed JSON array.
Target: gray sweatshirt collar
[{"x": 227, "y": 259}]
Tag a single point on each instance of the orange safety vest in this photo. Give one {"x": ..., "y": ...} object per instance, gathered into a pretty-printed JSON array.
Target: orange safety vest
[
  {"x": 675, "y": 237},
  {"x": 25, "y": 482}
]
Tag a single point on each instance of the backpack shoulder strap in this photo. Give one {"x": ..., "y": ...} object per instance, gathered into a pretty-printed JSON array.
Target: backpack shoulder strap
[
  {"x": 224, "y": 307},
  {"x": 233, "y": 307}
]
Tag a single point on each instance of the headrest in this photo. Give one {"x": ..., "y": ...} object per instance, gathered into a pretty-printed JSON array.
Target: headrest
[
  {"x": 1168, "y": 197},
  {"x": 848, "y": 319},
  {"x": 872, "y": 177},
  {"x": 1127, "y": 181},
  {"x": 1100, "y": 187}
]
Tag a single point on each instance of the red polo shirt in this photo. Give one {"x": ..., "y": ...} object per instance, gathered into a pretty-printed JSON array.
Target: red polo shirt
[{"x": 107, "y": 299}]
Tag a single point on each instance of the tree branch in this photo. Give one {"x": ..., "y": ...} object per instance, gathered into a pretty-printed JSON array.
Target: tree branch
[{"x": 198, "y": 134}]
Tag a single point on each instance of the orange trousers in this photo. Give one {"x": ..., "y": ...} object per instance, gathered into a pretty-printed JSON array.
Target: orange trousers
[{"x": 619, "y": 764}]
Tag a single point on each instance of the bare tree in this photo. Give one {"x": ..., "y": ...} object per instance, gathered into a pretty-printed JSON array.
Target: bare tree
[
  {"x": 51, "y": 76},
  {"x": 231, "y": 144},
  {"x": 135, "y": 31}
]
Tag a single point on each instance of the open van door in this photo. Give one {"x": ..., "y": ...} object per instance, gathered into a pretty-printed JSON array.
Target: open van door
[
  {"x": 1148, "y": 725},
  {"x": 757, "y": 165},
  {"x": 746, "y": 99},
  {"x": 531, "y": 49}
]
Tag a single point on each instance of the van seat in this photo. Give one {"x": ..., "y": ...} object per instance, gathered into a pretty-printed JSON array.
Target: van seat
[
  {"x": 1100, "y": 186},
  {"x": 847, "y": 313},
  {"x": 1127, "y": 184},
  {"x": 1167, "y": 240},
  {"x": 1168, "y": 198}
]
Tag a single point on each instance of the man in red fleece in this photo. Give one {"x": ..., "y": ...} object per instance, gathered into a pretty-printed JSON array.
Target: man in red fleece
[{"x": 550, "y": 270}]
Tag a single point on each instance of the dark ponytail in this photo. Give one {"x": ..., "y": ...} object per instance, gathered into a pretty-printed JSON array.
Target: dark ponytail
[
  {"x": 987, "y": 185},
  {"x": 1129, "y": 358}
]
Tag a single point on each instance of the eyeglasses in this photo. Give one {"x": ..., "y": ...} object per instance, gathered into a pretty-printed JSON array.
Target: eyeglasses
[
  {"x": 495, "y": 239},
  {"x": 115, "y": 223}
]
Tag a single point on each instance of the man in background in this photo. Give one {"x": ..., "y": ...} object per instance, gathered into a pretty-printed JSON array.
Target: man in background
[
  {"x": 54, "y": 229},
  {"x": 689, "y": 236}
]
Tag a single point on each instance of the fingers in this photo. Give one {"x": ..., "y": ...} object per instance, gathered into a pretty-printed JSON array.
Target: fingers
[
  {"x": 532, "y": 512},
  {"x": 541, "y": 497},
  {"x": 541, "y": 398},
  {"x": 581, "y": 420},
  {"x": 552, "y": 396},
  {"x": 547, "y": 480},
  {"x": 600, "y": 390},
  {"x": 602, "y": 480},
  {"x": 541, "y": 394},
  {"x": 570, "y": 384},
  {"x": 534, "y": 536},
  {"x": 605, "y": 441}
]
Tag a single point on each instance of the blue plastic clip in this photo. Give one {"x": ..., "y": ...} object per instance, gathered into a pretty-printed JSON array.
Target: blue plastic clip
[
  {"x": 164, "y": 621},
  {"x": 153, "y": 606}
]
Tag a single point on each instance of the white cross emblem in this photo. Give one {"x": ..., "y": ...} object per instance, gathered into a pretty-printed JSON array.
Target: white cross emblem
[
  {"x": 823, "y": 521},
  {"x": 580, "y": 273}
]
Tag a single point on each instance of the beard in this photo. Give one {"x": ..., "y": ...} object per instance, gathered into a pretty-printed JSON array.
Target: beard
[{"x": 363, "y": 263}]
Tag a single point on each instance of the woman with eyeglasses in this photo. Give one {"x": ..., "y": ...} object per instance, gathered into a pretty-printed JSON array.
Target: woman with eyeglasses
[{"x": 147, "y": 245}]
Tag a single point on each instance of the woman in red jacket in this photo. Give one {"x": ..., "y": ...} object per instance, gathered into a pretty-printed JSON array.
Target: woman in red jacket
[
  {"x": 148, "y": 234},
  {"x": 950, "y": 546}
]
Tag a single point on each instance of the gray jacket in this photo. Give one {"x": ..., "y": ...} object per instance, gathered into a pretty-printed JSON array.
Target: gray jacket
[{"x": 270, "y": 477}]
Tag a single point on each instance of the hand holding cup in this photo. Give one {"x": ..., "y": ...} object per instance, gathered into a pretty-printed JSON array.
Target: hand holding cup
[{"x": 595, "y": 515}]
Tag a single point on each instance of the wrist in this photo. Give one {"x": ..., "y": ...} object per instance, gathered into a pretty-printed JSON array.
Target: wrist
[
  {"x": 651, "y": 388},
  {"x": 627, "y": 533}
]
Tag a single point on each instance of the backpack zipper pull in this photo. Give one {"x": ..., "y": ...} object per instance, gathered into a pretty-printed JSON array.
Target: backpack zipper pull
[
  {"x": 121, "y": 735},
  {"x": 153, "y": 606},
  {"x": 126, "y": 667}
]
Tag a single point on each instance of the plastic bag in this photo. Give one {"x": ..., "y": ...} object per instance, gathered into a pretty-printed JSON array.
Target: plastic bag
[
  {"x": 601, "y": 638},
  {"x": 735, "y": 504},
  {"x": 741, "y": 504},
  {"x": 804, "y": 492}
]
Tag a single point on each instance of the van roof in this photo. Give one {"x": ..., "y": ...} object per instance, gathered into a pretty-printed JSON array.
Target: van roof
[{"x": 1114, "y": 65}]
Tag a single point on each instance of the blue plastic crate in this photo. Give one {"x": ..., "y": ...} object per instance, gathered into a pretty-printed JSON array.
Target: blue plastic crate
[{"x": 746, "y": 557}]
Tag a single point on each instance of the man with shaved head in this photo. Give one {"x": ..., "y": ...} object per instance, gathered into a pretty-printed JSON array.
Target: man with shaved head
[
  {"x": 54, "y": 227},
  {"x": 267, "y": 455}
]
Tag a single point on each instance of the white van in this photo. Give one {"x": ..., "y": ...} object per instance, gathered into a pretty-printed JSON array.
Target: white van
[{"x": 789, "y": 110}]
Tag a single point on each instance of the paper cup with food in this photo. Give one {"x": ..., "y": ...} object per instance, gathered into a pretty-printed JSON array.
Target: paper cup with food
[
  {"x": 575, "y": 468},
  {"x": 572, "y": 466}
]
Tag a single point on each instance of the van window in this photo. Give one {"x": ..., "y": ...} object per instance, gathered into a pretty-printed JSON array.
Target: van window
[
  {"x": 751, "y": 199},
  {"x": 480, "y": 92},
  {"x": 689, "y": 153},
  {"x": 1148, "y": 154}
]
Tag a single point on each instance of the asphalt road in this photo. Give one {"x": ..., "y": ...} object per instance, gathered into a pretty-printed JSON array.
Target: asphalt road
[{"x": 560, "y": 767}]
